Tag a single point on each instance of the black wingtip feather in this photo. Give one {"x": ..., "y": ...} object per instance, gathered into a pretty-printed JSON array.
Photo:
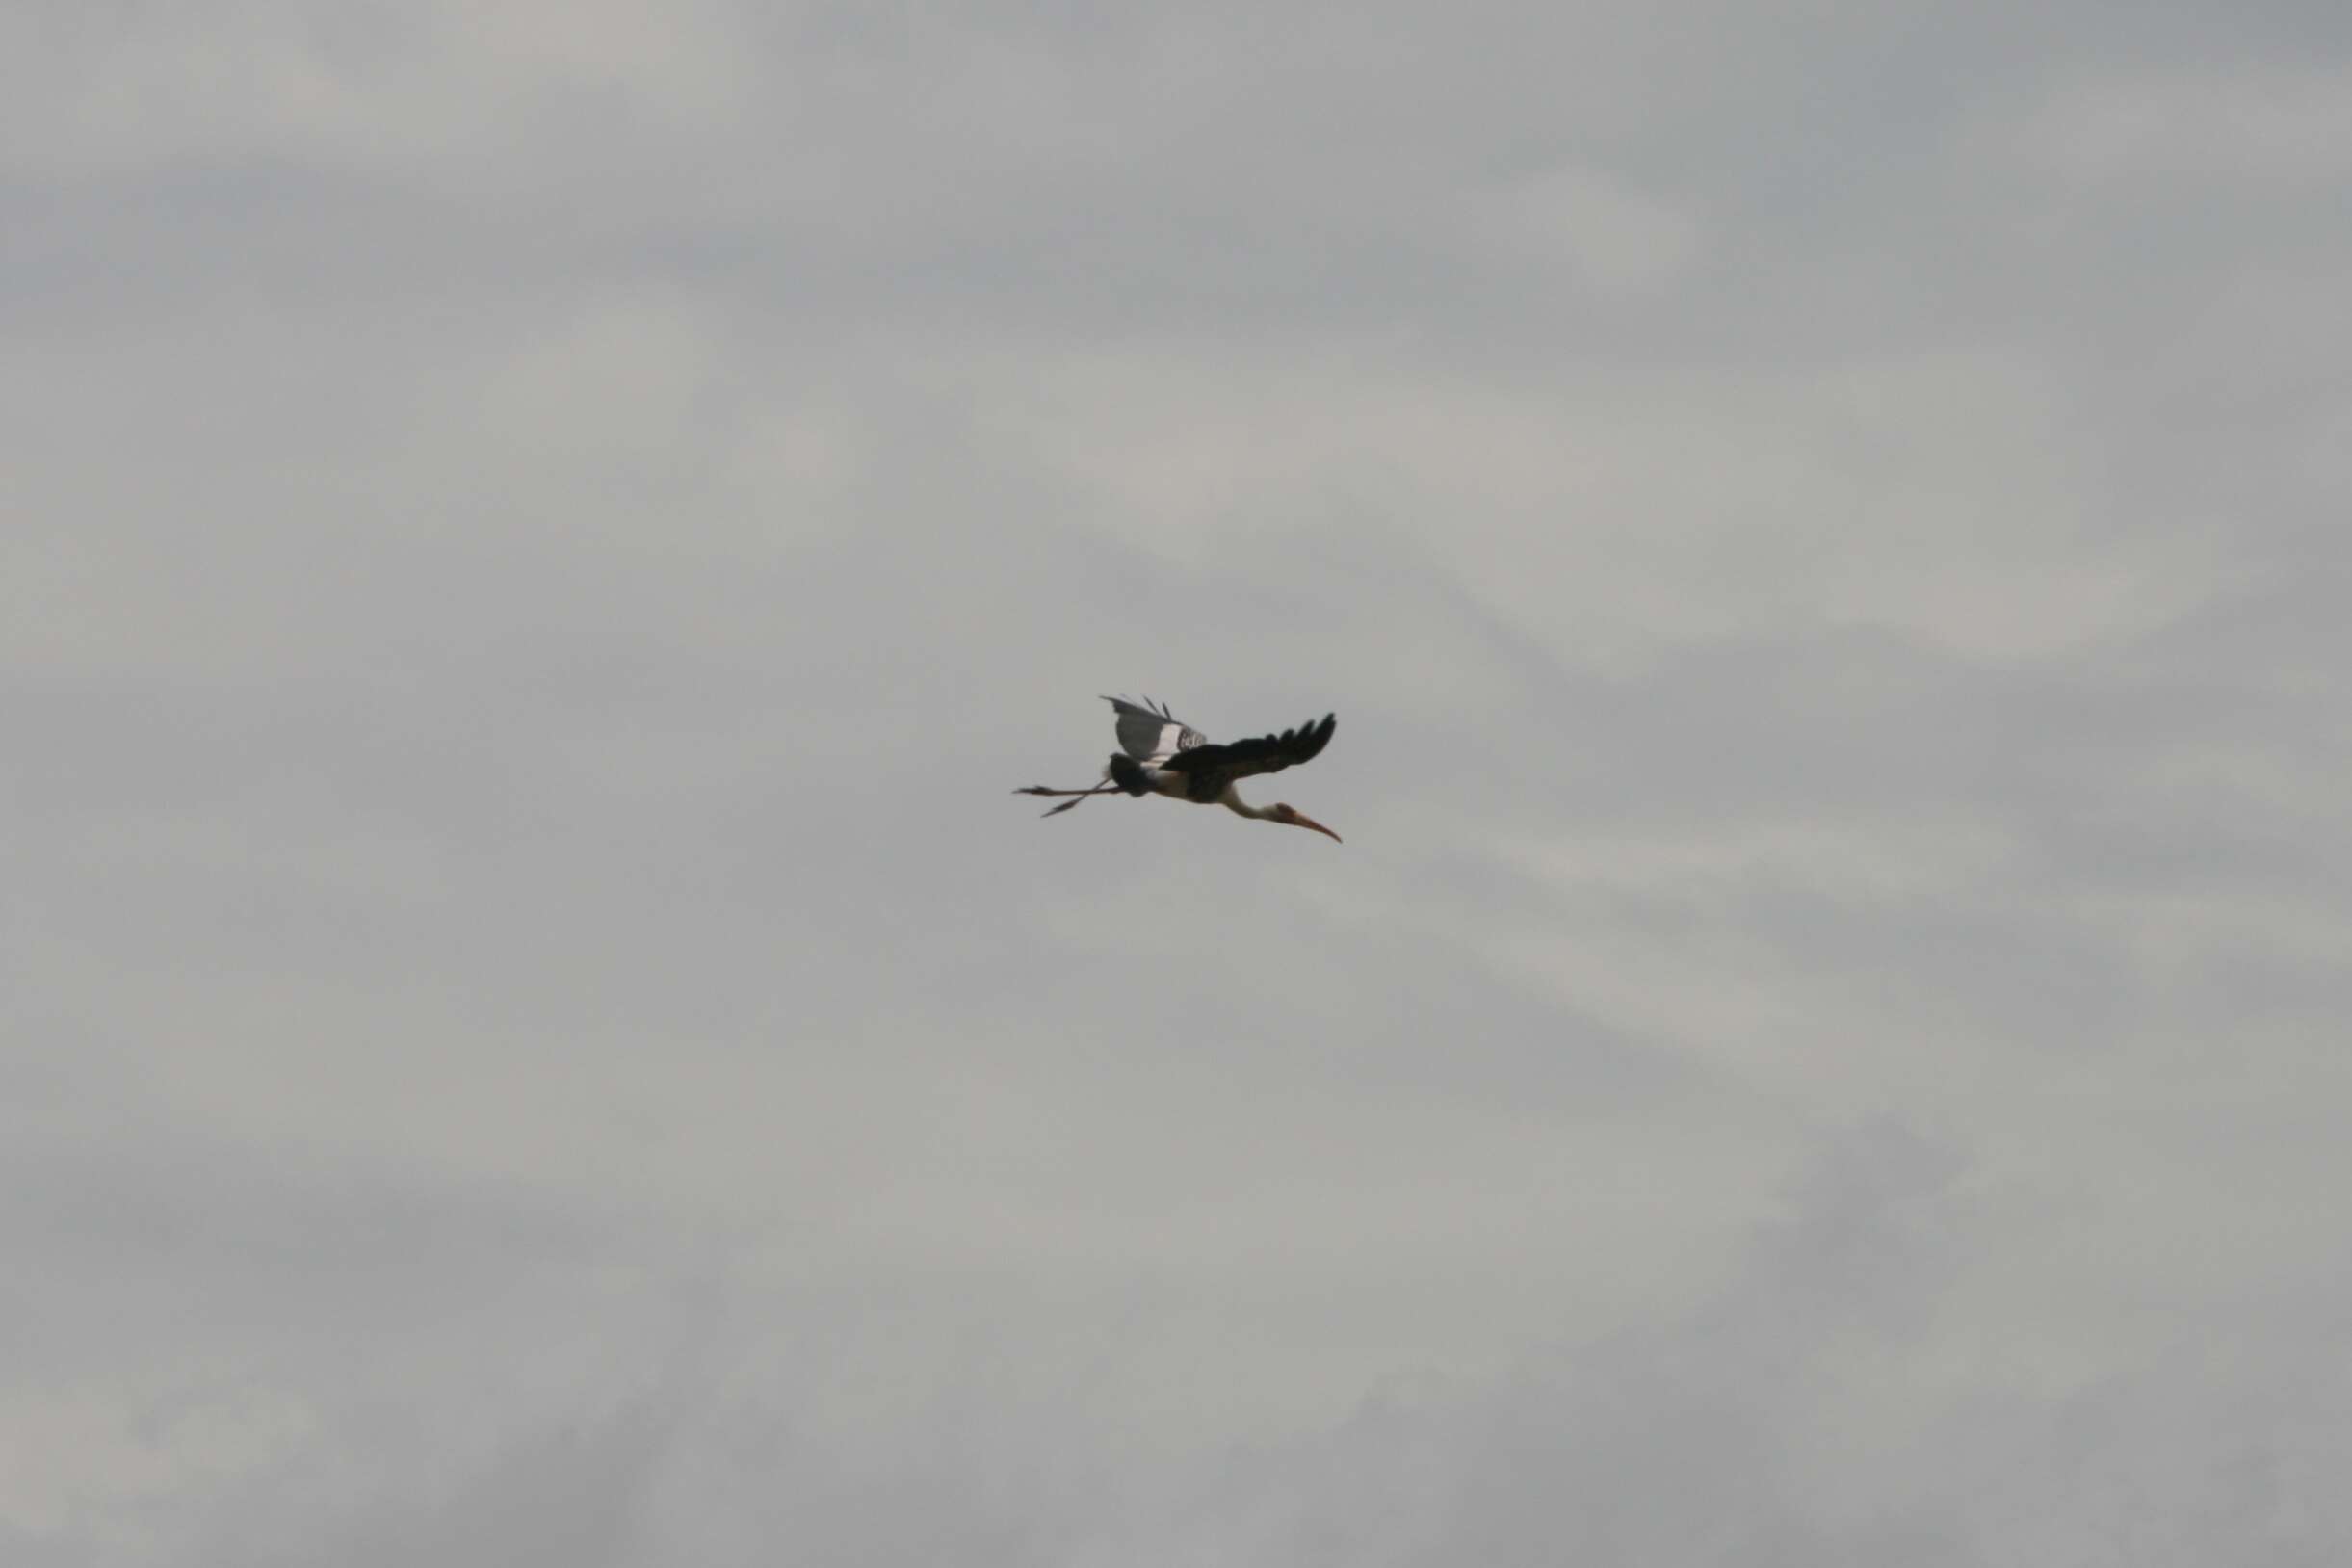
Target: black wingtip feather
[{"x": 1210, "y": 766}]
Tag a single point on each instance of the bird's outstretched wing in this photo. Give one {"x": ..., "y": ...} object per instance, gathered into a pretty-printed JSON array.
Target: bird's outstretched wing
[
  {"x": 1262, "y": 755},
  {"x": 1151, "y": 734}
]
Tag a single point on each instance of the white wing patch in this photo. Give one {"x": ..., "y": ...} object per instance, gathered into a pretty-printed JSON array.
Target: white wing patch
[{"x": 1175, "y": 738}]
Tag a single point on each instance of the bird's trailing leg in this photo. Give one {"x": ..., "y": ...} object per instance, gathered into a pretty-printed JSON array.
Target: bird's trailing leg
[{"x": 1039, "y": 789}]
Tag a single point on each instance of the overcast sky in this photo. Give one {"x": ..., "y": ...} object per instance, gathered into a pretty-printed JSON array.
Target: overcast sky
[{"x": 538, "y": 537}]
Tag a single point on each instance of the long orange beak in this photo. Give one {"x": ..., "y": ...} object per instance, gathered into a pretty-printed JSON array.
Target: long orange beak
[{"x": 1305, "y": 820}]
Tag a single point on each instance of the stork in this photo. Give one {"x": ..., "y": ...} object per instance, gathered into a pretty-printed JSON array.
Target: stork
[{"x": 1161, "y": 754}]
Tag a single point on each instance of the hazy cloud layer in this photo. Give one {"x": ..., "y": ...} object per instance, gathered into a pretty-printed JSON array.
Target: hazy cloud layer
[{"x": 539, "y": 537}]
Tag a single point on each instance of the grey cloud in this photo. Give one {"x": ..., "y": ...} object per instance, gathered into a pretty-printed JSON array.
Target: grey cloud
[{"x": 532, "y": 1027}]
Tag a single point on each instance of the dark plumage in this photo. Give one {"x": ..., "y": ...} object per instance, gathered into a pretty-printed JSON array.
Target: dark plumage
[
  {"x": 1128, "y": 775},
  {"x": 1209, "y": 768}
]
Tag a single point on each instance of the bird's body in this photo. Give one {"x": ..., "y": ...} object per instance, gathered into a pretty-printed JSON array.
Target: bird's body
[{"x": 1161, "y": 754}]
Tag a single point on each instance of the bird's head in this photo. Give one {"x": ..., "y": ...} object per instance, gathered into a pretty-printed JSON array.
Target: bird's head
[{"x": 1292, "y": 817}]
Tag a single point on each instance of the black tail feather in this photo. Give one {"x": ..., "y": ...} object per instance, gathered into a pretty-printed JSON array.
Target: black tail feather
[{"x": 1128, "y": 775}]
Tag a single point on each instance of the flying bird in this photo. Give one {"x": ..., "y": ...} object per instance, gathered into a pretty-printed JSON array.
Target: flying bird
[{"x": 1161, "y": 754}]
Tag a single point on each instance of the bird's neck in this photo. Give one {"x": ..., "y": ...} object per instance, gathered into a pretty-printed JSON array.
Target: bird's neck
[{"x": 1241, "y": 808}]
